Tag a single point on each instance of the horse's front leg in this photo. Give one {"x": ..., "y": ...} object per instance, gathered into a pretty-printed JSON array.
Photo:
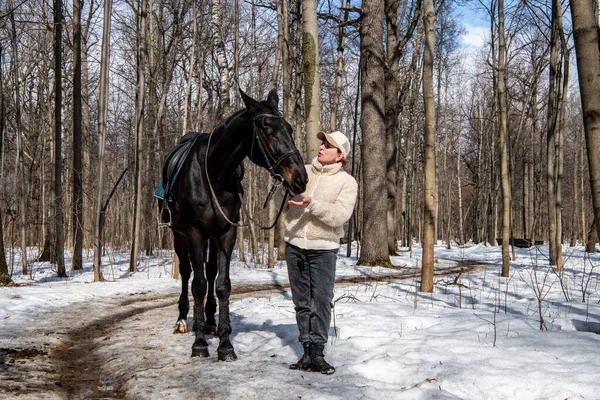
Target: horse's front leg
[
  {"x": 210, "y": 306},
  {"x": 223, "y": 286},
  {"x": 196, "y": 250},
  {"x": 185, "y": 269}
]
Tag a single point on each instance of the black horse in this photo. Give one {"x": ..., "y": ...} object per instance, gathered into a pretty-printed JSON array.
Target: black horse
[{"x": 206, "y": 200}]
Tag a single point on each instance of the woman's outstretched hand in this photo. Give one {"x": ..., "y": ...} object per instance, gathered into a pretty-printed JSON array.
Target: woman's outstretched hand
[{"x": 300, "y": 204}]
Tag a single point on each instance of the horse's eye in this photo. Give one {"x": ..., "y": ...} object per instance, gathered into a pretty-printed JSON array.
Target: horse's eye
[{"x": 267, "y": 130}]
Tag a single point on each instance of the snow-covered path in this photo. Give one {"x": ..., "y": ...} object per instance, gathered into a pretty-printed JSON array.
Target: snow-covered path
[{"x": 476, "y": 337}]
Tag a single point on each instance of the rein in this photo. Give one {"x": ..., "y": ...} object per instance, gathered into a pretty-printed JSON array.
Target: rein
[{"x": 277, "y": 179}]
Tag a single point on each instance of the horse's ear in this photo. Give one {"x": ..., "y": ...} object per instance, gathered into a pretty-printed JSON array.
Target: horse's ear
[
  {"x": 249, "y": 101},
  {"x": 273, "y": 99}
]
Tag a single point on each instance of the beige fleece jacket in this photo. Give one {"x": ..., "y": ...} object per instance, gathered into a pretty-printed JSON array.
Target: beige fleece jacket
[{"x": 319, "y": 226}]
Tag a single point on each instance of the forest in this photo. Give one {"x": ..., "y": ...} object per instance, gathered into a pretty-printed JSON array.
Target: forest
[{"x": 449, "y": 143}]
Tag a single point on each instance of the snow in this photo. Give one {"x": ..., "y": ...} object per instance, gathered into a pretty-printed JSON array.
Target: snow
[{"x": 476, "y": 337}]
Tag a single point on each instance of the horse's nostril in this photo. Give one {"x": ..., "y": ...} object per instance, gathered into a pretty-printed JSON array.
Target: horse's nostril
[{"x": 299, "y": 181}]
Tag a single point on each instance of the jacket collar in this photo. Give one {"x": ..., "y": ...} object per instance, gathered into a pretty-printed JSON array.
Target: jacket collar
[{"x": 329, "y": 169}]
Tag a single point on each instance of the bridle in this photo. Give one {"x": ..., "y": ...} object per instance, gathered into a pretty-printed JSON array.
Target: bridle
[
  {"x": 265, "y": 150},
  {"x": 271, "y": 164}
]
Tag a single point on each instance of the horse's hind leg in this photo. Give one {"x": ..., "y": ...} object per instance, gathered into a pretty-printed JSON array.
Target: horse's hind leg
[
  {"x": 225, "y": 350},
  {"x": 196, "y": 247},
  {"x": 185, "y": 269},
  {"x": 211, "y": 303}
]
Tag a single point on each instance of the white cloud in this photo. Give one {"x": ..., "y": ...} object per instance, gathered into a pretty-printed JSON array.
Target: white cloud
[{"x": 474, "y": 36}]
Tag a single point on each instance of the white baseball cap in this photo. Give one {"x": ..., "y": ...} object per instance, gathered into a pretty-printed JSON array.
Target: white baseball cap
[{"x": 338, "y": 140}]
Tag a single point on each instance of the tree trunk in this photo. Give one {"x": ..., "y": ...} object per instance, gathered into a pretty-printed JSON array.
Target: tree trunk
[
  {"x": 560, "y": 154},
  {"x": 430, "y": 195},
  {"x": 588, "y": 67},
  {"x": 372, "y": 59},
  {"x": 278, "y": 51},
  {"x": 216, "y": 22},
  {"x": 392, "y": 106},
  {"x": 592, "y": 238},
  {"x": 102, "y": 117},
  {"x": 286, "y": 72},
  {"x": 77, "y": 259},
  {"x": 20, "y": 189},
  {"x": 192, "y": 66},
  {"x": 139, "y": 134},
  {"x": 58, "y": 197},
  {"x": 339, "y": 64},
  {"x": 459, "y": 188},
  {"x": 352, "y": 224},
  {"x": 582, "y": 194},
  {"x": 89, "y": 171},
  {"x": 525, "y": 213},
  {"x": 310, "y": 58},
  {"x": 552, "y": 128},
  {"x": 236, "y": 48},
  {"x": 5, "y": 278},
  {"x": 502, "y": 108}
]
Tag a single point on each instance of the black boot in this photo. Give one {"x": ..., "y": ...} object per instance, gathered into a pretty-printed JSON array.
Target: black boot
[
  {"x": 304, "y": 362},
  {"x": 318, "y": 363}
]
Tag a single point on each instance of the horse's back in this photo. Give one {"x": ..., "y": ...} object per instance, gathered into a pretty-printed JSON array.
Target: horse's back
[{"x": 192, "y": 190}]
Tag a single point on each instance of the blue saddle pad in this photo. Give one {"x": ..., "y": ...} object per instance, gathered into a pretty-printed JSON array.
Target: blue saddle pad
[{"x": 159, "y": 192}]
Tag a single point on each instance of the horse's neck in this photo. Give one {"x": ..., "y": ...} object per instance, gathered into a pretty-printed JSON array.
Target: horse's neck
[{"x": 228, "y": 148}]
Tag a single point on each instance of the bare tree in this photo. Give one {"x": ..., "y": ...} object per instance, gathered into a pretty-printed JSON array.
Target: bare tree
[
  {"x": 57, "y": 158},
  {"x": 77, "y": 258},
  {"x": 503, "y": 116},
  {"x": 102, "y": 118},
  {"x": 430, "y": 194},
  {"x": 553, "y": 126},
  {"x": 5, "y": 278},
  {"x": 20, "y": 186},
  {"x": 392, "y": 108},
  {"x": 310, "y": 58},
  {"x": 372, "y": 58},
  {"x": 339, "y": 64},
  {"x": 216, "y": 23},
  {"x": 139, "y": 133},
  {"x": 588, "y": 67}
]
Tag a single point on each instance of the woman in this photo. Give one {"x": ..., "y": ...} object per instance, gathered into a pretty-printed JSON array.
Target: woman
[{"x": 313, "y": 228}]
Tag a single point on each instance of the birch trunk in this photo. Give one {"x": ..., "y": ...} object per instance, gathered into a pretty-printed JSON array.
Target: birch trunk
[{"x": 216, "y": 21}]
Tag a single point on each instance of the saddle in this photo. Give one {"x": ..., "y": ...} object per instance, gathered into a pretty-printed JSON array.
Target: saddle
[{"x": 172, "y": 164}]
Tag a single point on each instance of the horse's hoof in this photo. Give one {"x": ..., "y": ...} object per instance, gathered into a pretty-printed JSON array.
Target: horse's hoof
[
  {"x": 201, "y": 352},
  {"x": 210, "y": 330},
  {"x": 228, "y": 355},
  {"x": 181, "y": 327}
]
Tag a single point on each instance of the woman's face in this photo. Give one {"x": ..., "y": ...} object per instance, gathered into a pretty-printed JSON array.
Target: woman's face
[{"x": 328, "y": 154}]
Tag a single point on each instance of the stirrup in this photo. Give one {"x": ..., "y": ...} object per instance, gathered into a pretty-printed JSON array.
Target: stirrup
[{"x": 162, "y": 220}]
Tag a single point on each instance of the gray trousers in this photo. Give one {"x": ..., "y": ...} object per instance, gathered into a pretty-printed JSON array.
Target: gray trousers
[{"x": 312, "y": 275}]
